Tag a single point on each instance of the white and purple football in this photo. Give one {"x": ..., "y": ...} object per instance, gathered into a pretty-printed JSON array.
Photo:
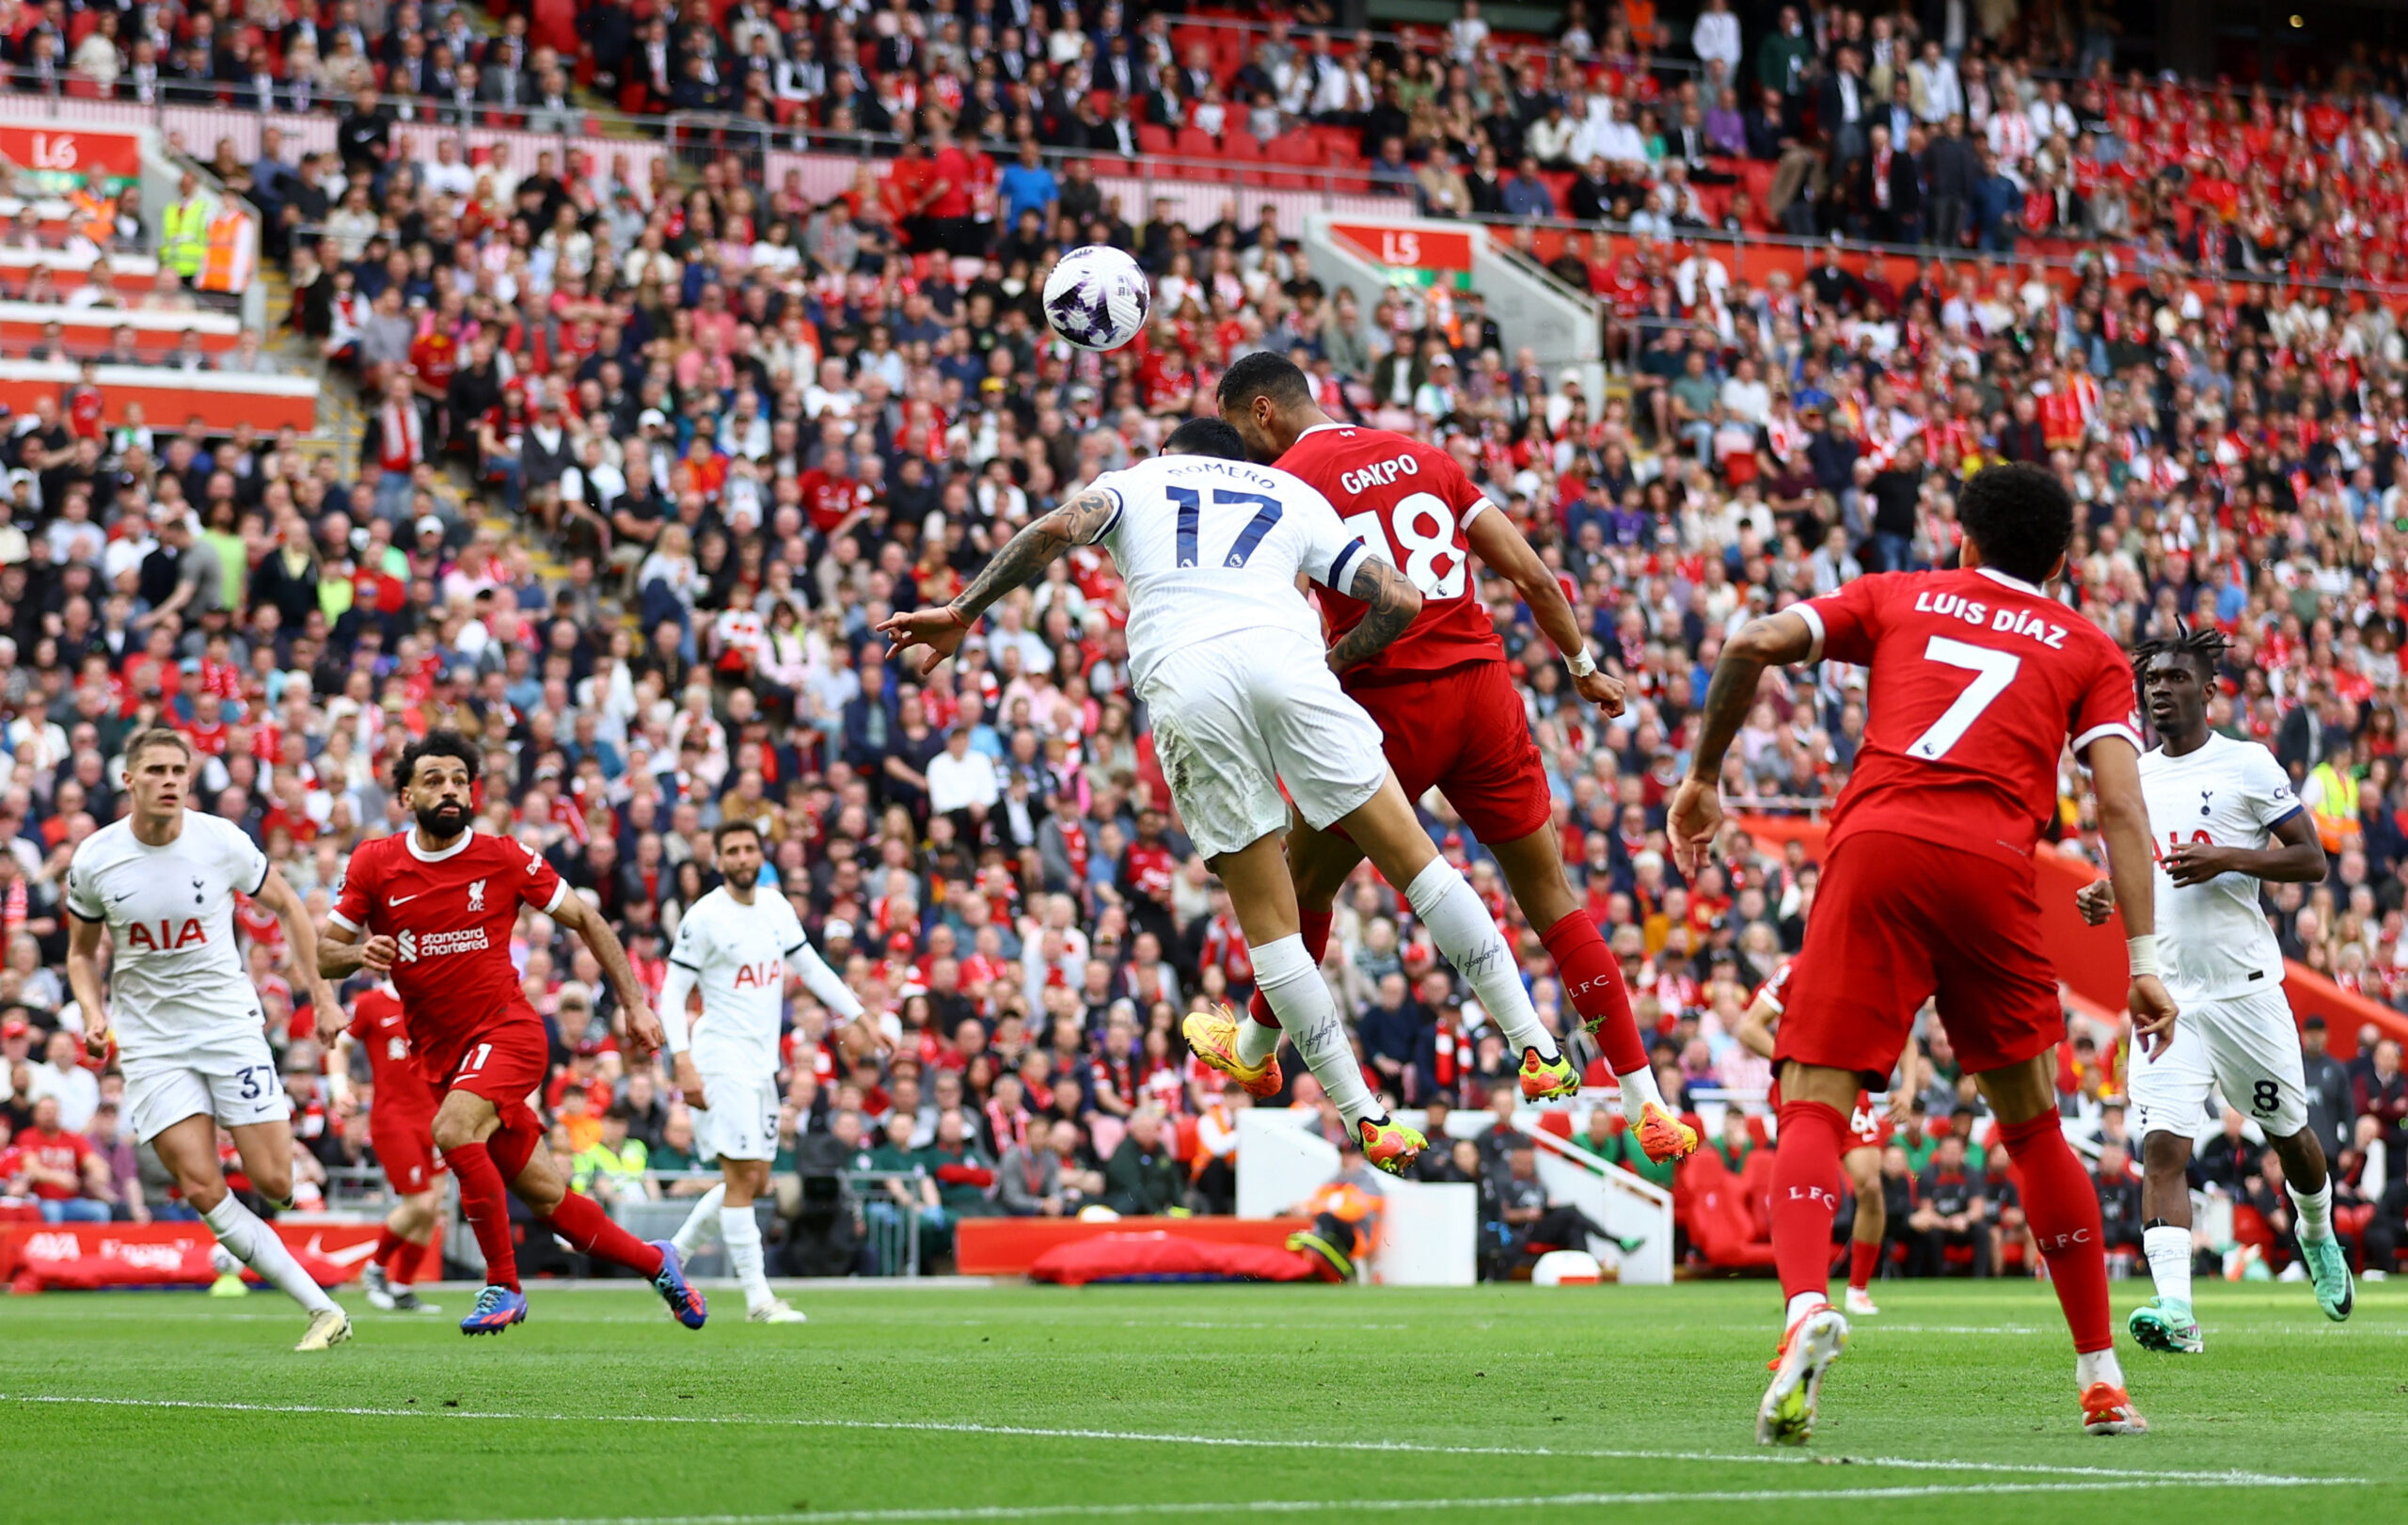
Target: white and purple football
[{"x": 1097, "y": 297}]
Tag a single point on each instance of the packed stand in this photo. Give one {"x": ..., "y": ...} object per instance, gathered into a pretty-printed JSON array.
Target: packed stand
[{"x": 749, "y": 425}]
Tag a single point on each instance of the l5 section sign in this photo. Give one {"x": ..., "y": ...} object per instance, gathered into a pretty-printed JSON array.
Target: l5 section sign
[{"x": 1431, "y": 256}]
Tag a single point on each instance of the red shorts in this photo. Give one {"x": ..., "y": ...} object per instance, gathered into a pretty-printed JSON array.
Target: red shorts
[
  {"x": 1898, "y": 921},
  {"x": 406, "y": 1147},
  {"x": 504, "y": 1059},
  {"x": 1465, "y": 731},
  {"x": 1866, "y": 1127}
]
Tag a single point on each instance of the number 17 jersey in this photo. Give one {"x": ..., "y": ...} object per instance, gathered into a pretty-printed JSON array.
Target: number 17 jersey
[
  {"x": 1977, "y": 680},
  {"x": 1412, "y": 502}
]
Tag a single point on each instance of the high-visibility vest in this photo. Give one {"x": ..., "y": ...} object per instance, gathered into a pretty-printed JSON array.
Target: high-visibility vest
[
  {"x": 183, "y": 234},
  {"x": 94, "y": 215},
  {"x": 228, "y": 255},
  {"x": 2335, "y": 812}
]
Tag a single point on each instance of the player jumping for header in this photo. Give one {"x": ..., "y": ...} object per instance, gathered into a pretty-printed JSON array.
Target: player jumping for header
[
  {"x": 2222, "y": 820},
  {"x": 1449, "y": 715},
  {"x": 1977, "y": 680}
]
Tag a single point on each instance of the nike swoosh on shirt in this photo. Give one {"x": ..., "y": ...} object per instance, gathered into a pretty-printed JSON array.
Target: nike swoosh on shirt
[{"x": 404, "y": 899}]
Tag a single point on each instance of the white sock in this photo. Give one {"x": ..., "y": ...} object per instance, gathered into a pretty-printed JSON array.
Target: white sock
[
  {"x": 1256, "y": 1042},
  {"x": 696, "y": 1230},
  {"x": 2315, "y": 1213},
  {"x": 2169, "y": 1261},
  {"x": 1638, "y": 1088},
  {"x": 1801, "y": 1305},
  {"x": 1465, "y": 934},
  {"x": 2094, "y": 1366},
  {"x": 1288, "y": 978},
  {"x": 742, "y": 1232},
  {"x": 256, "y": 1245}
]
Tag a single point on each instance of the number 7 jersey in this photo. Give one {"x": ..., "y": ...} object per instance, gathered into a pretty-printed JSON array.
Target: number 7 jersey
[
  {"x": 1411, "y": 502},
  {"x": 1978, "y": 681}
]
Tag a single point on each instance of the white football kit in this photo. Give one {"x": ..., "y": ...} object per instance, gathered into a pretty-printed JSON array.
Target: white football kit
[
  {"x": 738, "y": 955},
  {"x": 1228, "y": 658},
  {"x": 191, "y": 1037},
  {"x": 2222, "y": 965}
]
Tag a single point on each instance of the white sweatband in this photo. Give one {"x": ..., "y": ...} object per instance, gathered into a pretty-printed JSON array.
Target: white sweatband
[
  {"x": 1581, "y": 663},
  {"x": 2142, "y": 953}
]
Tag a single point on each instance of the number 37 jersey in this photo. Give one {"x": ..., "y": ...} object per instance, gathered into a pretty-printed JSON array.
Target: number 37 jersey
[
  {"x": 1978, "y": 681},
  {"x": 1211, "y": 546},
  {"x": 1413, "y": 504}
]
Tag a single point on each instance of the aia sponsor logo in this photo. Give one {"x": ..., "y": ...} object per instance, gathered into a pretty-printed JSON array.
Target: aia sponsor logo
[{"x": 170, "y": 937}]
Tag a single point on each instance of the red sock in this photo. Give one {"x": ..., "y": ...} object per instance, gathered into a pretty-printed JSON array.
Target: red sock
[
  {"x": 1863, "y": 1260},
  {"x": 2061, "y": 1202},
  {"x": 406, "y": 1265},
  {"x": 514, "y": 1143},
  {"x": 1314, "y": 925},
  {"x": 1805, "y": 1195},
  {"x": 389, "y": 1249},
  {"x": 1593, "y": 983},
  {"x": 486, "y": 1203},
  {"x": 590, "y": 1232}
]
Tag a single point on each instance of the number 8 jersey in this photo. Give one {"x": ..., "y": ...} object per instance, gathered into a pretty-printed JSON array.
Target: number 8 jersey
[
  {"x": 1978, "y": 679},
  {"x": 1414, "y": 503}
]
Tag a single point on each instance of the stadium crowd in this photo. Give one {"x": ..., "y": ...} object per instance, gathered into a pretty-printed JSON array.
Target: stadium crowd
[{"x": 738, "y": 428}]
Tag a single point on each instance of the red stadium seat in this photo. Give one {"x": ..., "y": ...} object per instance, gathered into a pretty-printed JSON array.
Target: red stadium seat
[
  {"x": 1238, "y": 144},
  {"x": 1153, "y": 139},
  {"x": 1195, "y": 143},
  {"x": 1292, "y": 147},
  {"x": 1556, "y": 1122}
]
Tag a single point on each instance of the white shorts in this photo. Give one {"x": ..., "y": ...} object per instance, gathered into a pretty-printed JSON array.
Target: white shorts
[
  {"x": 741, "y": 1123},
  {"x": 232, "y": 1080},
  {"x": 2247, "y": 1045},
  {"x": 1235, "y": 718}
]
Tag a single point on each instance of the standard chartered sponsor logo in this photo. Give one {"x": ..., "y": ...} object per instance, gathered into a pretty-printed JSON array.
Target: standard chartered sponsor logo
[{"x": 437, "y": 945}]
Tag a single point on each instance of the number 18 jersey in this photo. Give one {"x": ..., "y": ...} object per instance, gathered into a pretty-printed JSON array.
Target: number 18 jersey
[
  {"x": 1977, "y": 679},
  {"x": 1413, "y": 502}
]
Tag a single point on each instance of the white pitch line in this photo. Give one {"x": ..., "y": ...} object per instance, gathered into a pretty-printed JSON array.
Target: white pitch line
[
  {"x": 1311, "y": 1506},
  {"x": 2234, "y": 1478}
]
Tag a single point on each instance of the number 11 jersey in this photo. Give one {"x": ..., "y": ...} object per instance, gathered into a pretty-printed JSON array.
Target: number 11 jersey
[
  {"x": 1412, "y": 502},
  {"x": 1978, "y": 681}
]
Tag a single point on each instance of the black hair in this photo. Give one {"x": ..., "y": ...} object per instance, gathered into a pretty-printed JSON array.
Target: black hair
[
  {"x": 1264, "y": 374},
  {"x": 435, "y": 744},
  {"x": 2203, "y": 643},
  {"x": 1206, "y": 436},
  {"x": 2021, "y": 517},
  {"x": 727, "y": 829}
]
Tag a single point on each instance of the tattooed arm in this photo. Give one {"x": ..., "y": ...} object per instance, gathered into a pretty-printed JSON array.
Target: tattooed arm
[
  {"x": 1391, "y": 602},
  {"x": 1077, "y": 522}
]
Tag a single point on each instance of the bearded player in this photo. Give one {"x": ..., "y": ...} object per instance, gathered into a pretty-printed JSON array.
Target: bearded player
[
  {"x": 1449, "y": 713},
  {"x": 401, "y": 1129},
  {"x": 735, "y": 945},
  {"x": 433, "y": 907},
  {"x": 1978, "y": 681},
  {"x": 1866, "y": 1134}
]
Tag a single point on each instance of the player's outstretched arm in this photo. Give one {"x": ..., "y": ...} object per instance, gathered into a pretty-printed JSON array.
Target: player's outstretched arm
[
  {"x": 1390, "y": 603},
  {"x": 301, "y": 939},
  {"x": 84, "y": 982},
  {"x": 1696, "y": 813},
  {"x": 2124, "y": 830},
  {"x": 1077, "y": 522},
  {"x": 578, "y": 915},
  {"x": 1494, "y": 540}
]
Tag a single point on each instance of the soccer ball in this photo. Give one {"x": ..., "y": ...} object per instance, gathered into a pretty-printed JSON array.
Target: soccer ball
[{"x": 1097, "y": 299}]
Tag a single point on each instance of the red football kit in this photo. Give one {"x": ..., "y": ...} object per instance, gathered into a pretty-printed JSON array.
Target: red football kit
[
  {"x": 452, "y": 913},
  {"x": 1447, "y": 712},
  {"x": 400, "y": 1121},
  {"x": 1978, "y": 681},
  {"x": 1866, "y": 1127}
]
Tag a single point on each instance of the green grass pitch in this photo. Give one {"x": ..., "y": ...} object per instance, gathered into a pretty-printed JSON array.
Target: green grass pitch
[{"x": 1195, "y": 1403}]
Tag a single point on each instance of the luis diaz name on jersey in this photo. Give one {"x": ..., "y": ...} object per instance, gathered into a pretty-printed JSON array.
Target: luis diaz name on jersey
[{"x": 2004, "y": 621}]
